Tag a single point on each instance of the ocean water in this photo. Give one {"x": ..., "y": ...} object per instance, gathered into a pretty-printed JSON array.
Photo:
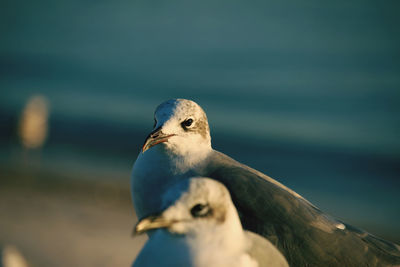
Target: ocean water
[{"x": 307, "y": 92}]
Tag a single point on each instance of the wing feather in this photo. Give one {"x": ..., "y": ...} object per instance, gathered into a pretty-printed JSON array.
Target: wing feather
[{"x": 303, "y": 233}]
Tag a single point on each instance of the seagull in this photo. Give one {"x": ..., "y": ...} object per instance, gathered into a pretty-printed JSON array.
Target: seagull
[
  {"x": 179, "y": 147},
  {"x": 200, "y": 227}
]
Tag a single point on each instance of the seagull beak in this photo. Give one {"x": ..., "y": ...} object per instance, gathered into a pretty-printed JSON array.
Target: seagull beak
[
  {"x": 150, "y": 223},
  {"x": 154, "y": 138}
]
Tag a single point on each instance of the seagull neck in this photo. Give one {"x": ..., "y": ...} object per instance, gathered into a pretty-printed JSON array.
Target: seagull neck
[
  {"x": 236, "y": 237},
  {"x": 184, "y": 162},
  {"x": 228, "y": 236}
]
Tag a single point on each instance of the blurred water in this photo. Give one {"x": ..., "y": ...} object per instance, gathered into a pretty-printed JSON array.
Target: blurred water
[{"x": 305, "y": 91}]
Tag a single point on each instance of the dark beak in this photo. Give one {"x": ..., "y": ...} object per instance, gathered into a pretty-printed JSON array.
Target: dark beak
[
  {"x": 154, "y": 138},
  {"x": 150, "y": 223}
]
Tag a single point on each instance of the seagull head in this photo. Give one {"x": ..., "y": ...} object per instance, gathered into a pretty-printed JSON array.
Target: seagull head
[
  {"x": 180, "y": 126},
  {"x": 195, "y": 206}
]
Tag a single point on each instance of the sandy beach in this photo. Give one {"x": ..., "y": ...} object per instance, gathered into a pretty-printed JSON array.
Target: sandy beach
[{"x": 69, "y": 225}]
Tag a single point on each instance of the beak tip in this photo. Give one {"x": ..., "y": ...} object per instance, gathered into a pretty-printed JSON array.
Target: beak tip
[
  {"x": 155, "y": 138},
  {"x": 150, "y": 223},
  {"x": 143, "y": 149},
  {"x": 137, "y": 230}
]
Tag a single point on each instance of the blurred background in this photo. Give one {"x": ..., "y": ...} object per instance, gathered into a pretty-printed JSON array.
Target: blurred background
[{"x": 307, "y": 92}]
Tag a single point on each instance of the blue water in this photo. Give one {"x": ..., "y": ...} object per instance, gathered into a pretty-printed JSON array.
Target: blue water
[{"x": 308, "y": 92}]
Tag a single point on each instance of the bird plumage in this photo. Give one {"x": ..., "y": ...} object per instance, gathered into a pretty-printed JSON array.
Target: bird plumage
[
  {"x": 304, "y": 234},
  {"x": 200, "y": 227}
]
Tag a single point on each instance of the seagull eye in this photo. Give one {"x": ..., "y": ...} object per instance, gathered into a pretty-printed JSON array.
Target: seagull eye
[
  {"x": 187, "y": 123},
  {"x": 200, "y": 210}
]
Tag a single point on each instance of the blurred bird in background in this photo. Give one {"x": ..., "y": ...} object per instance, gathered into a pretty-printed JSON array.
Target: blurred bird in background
[{"x": 33, "y": 125}]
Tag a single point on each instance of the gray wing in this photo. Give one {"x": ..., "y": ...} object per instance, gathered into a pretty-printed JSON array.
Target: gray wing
[
  {"x": 264, "y": 252},
  {"x": 305, "y": 235}
]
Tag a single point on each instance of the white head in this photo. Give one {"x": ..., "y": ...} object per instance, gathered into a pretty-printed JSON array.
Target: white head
[
  {"x": 199, "y": 211},
  {"x": 196, "y": 206},
  {"x": 180, "y": 127}
]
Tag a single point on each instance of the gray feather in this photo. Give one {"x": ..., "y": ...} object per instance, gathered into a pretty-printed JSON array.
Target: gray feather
[{"x": 305, "y": 235}]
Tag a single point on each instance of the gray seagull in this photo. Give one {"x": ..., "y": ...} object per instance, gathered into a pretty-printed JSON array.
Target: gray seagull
[
  {"x": 201, "y": 228},
  {"x": 179, "y": 147}
]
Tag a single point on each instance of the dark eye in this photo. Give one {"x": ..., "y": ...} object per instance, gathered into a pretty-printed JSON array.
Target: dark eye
[
  {"x": 200, "y": 210},
  {"x": 155, "y": 123},
  {"x": 187, "y": 123}
]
